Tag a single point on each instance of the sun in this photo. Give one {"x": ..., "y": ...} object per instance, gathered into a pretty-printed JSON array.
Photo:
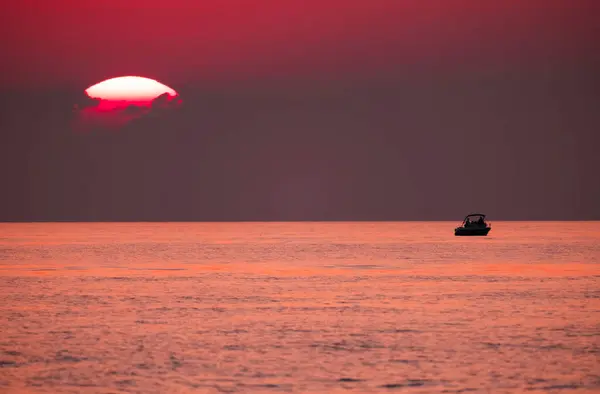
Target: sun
[
  {"x": 115, "y": 102},
  {"x": 129, "y": 89}
]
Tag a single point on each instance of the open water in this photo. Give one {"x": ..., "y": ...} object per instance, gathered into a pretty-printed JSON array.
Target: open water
[{"x": 299, "y": 307}]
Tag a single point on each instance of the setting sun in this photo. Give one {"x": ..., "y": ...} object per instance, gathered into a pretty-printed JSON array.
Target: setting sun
[
  {"x": 115, "y": 102},
  {"x": 129, "y": 88}
]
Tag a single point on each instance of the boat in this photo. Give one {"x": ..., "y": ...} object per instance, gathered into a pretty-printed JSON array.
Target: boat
[{"x": 473, "y": 224}]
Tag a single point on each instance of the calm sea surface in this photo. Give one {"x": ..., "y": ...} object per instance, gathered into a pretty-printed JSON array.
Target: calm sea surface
[{"x": 299, "y": 307}]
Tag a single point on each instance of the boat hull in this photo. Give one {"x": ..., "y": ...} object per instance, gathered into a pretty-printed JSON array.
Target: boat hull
[{"x": 465, "y": 232}]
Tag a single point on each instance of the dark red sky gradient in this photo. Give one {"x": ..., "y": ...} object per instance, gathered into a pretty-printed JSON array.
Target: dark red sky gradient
[
  {"x": 303, "y": 110},
  {"x": 178, "y": 41}
]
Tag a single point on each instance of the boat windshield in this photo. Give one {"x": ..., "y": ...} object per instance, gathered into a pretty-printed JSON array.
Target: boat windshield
[{"x": 474, "y": 220}]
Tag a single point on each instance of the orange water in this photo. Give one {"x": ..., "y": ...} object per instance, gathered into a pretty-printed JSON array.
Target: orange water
[{"x": 299, "y": 307}]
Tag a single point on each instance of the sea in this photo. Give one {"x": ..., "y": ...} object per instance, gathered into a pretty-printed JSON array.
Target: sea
[{"x": 328, "y": 307}]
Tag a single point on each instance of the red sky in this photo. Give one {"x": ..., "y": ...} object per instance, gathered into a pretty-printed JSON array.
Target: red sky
[{"x": 83, "y": 42}]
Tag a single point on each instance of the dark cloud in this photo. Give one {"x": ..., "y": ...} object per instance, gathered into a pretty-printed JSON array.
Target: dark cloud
[
  {"x": 96, "y": 115},
  {"x": 422, "y": 146}
]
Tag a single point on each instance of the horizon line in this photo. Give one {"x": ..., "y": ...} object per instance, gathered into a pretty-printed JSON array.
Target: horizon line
[{"x": 287, "y": 221}]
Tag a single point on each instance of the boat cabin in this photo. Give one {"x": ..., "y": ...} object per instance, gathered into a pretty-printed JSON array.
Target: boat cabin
[{"x": 475, "y": 220}]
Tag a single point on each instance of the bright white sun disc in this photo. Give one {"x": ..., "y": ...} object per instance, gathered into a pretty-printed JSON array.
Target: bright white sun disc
[{"x": 129, "y": 88}]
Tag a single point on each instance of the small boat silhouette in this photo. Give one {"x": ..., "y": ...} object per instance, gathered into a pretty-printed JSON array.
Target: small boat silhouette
[{"x": 474, "y": 224}]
